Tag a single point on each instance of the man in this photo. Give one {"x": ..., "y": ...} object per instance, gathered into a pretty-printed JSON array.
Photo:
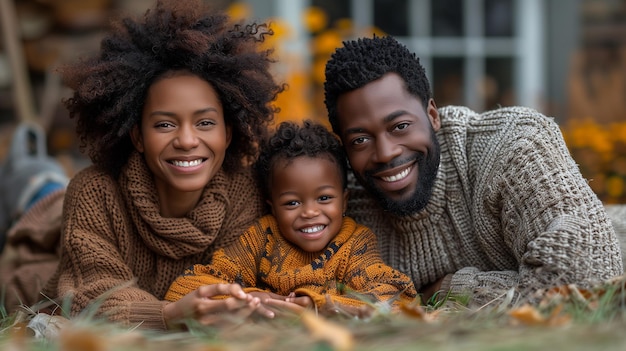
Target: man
[{"x": 474, "y": 204}]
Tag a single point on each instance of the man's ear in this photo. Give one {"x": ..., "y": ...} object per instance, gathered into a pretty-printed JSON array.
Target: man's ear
[
  {"x": 433, "y": 114},
  {"x": 137, "y": 138}
]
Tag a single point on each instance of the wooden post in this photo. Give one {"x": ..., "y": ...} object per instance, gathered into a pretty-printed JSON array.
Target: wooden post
[{"x": 21, "y": 82}]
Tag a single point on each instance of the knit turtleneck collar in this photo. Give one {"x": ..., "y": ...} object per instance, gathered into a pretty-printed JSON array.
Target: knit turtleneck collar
[{"x": 172, "y": 237}]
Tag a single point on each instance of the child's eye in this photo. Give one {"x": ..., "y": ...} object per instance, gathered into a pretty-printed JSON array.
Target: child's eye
[
  {"x": 292, "y": 203},
  {"x": 325, "y": 198}
]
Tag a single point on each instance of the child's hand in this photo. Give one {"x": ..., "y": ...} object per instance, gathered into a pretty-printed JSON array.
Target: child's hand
[
  {"x": 199, "y": 306},
  {"x": 284, "y": 304},
  {"x": 304, "y": 301}
]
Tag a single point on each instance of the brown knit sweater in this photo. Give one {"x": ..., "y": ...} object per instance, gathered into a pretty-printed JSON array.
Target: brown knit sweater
[
  {"x": 349, "y": 271},
  {"x": 509, "y": 209},
  {"x": 119, "y": 252}
]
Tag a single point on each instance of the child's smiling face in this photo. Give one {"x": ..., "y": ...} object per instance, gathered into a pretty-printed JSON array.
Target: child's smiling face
[{"x": 308, "y": 200}]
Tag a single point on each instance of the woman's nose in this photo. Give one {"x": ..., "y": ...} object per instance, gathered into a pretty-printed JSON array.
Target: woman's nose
[{"x": 186, "y": 138}]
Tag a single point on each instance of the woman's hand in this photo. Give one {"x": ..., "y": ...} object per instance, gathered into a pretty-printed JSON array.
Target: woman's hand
[{"x": 199, "y": 306}]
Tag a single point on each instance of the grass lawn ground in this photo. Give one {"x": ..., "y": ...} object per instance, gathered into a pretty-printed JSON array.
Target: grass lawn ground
[
  {"x": 393, "y": 334},
  {"x": 566, "y": 319}
]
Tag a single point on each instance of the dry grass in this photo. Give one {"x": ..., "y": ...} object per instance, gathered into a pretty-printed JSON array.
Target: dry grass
[{"x": 567, "y": 318}]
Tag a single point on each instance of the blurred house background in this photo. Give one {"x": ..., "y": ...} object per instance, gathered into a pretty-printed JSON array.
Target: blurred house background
[{"x": 566, "y": 58}]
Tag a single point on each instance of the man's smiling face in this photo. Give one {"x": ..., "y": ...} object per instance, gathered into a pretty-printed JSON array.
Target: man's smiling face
[{"x": 390, "y": 141}]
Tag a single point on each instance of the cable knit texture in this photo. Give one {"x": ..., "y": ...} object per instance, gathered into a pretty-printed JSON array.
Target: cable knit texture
[
  {"x": 33, "y": 241},
  {"x": 349, "y": 271},
  {"x": 509, "y": 209},
  {"x": 116, "y": 246}
]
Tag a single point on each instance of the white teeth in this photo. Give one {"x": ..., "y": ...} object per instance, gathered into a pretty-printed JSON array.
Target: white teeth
[
  {"x": 314, "y": 229},
  {"x": 398, "y": 176},
  {"x": 187, "y": 163}
]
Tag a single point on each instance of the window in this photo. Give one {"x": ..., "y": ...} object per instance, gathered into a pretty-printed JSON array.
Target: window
[{"x": 479, "y": 53}]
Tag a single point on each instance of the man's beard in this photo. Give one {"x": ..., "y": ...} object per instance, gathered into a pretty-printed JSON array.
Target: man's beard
[{"x": 427, "y": 167}]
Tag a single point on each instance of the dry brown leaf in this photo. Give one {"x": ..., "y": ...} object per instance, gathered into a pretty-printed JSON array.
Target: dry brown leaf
[
  {"x": 338, "y": 337},
  {"x": 530, "y": 315},
  {"x": 78, "y": 338},
  {"x": 415, "y": 310},
  {"x": 557, "y": 319},
  {"x": 527, "y": 314},
  {"x": 567, "y": 293}
]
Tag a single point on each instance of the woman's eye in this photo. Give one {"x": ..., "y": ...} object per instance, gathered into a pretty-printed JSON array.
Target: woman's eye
[
  {"x": 206, "y": 123},
  {"x": 164, "y": 125}
]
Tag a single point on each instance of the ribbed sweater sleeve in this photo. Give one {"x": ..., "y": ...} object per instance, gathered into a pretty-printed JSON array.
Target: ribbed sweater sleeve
[{"x": 536, "y": 206}]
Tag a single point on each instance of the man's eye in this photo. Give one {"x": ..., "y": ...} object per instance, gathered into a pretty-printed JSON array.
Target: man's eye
[
  {"x": 359, "y": 140},
  {"x": 402, "y": 126}
]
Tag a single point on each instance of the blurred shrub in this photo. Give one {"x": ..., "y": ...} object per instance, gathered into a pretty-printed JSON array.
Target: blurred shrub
[{"x": 600, "y": 151}]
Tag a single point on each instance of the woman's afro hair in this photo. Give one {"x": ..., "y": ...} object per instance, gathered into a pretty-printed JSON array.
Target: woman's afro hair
[
  {"x": 292, "y": 140},
  {"x": 110, "y": 88},
  {"x": 364, "y": 60}
]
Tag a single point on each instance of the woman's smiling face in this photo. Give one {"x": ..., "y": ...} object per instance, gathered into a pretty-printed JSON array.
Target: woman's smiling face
[{"x": 183, "y": 135}]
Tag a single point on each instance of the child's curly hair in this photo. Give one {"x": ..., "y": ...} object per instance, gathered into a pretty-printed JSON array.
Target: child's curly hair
[
  {"x": 110, "y": 88},
  {"x": 292, "y": 140},
  {"x": 364, "y": 60}
]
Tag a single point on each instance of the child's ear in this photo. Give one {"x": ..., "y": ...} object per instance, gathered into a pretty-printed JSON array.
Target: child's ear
[
  {"x": 269, "y": 202},
  {"x": 346, "y": 194}
]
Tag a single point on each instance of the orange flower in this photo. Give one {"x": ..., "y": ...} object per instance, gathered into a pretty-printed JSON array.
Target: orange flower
[
  {"x": 314, "y": 19},
  {"x": 238, "y": 11},
  {"x": 615, "y": 186},
  {"x": 326, "y": 42}
]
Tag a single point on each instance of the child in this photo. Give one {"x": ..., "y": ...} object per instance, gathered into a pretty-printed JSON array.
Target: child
[{"x": 307, "y": 246}]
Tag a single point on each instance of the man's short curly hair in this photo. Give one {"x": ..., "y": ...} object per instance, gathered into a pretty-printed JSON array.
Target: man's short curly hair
[
  {"x": 110, "y": 88},
  {"x": 364, "y": 60},
  {"x": 291, "y": 140}
]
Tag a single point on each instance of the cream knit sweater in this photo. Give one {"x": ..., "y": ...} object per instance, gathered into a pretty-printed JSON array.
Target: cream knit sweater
[{"x": 509, "y": 209}]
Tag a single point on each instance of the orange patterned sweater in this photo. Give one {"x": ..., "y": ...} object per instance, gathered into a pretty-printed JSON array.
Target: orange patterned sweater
[{"x": 349, "y": 271}]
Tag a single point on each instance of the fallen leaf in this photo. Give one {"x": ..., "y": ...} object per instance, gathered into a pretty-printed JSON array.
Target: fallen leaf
[
  {"x": 527, "y": 314},
  {"x": 338, "y": 337}
]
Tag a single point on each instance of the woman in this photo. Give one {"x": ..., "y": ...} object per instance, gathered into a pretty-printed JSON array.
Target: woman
[{"x": 170, "y": 112}]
